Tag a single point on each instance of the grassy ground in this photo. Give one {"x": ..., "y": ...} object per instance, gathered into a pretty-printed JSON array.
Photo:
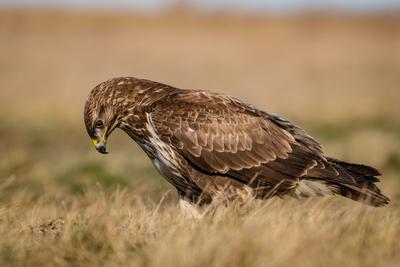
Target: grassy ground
[{"x": 61, "y": 203}]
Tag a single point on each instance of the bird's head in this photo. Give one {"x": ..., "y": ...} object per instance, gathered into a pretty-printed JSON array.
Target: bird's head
[
  {"x": 99, "y": 126},
  {"x": 100, "y": 122},
  {"x": 102, "y": 112}
]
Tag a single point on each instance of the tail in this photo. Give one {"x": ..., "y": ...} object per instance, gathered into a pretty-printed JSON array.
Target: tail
[
  {"x": 362, "y": 188},
  {"x": 354, "y": 181}
]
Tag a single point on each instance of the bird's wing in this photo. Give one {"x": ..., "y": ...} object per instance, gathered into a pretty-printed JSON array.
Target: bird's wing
[{"x": 221, "y": 135}]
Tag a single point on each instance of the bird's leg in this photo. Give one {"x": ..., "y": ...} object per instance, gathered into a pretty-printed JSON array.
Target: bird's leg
[{"x": 189, "y": 210}]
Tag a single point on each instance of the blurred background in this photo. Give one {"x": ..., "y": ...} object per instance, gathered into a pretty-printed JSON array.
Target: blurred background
[{"x": 331, "y": 66}]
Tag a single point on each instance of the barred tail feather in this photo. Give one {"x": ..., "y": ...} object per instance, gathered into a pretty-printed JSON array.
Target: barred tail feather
[
  {"x": 367, "y": 193},
  {"x": 354, "y": 181},
  {"x": 364, "y": 188}
]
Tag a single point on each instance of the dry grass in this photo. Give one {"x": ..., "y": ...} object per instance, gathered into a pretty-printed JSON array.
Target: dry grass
[
  {"x": 63, "y": 204},
  {"x": 120, "y": 229}
]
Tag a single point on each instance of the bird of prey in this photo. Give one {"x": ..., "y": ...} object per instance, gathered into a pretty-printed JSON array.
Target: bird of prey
[{"x": 209, "y": 145}]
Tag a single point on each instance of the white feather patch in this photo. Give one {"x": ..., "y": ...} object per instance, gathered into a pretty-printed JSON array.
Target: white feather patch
[
  {"x": 309, "y": 188},
  {"x": 165, "y": 153},
  {"x": 189, "y": 210}
]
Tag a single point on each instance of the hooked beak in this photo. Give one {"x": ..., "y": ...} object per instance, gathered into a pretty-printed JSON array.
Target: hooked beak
[
  {"x": 100, "y": 146},
  {"x": 100, "y": 143}
]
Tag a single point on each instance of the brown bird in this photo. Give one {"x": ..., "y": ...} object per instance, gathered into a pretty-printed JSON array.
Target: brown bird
[{"x": 209, "y": 145}]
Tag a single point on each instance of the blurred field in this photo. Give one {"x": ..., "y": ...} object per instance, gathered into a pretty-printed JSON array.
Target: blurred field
[{"x": 61, "y": 203}]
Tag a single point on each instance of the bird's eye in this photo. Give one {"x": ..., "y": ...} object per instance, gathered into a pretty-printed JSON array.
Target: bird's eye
[{"x": 99, "y": 124}]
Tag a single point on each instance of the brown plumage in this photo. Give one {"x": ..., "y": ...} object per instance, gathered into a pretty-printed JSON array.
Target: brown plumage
[{"x": 208, "y": 144}]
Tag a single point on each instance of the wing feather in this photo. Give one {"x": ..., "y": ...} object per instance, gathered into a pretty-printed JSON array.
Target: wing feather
[{"x": 218, "y": 134}]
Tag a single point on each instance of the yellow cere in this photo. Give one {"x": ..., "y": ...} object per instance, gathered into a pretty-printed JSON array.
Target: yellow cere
[
  {"x": 95, "y": 142},
  {"x": 103, "y": 137}
]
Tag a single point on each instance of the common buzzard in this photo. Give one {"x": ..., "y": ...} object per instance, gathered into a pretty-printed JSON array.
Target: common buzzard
[{"x": 208, "y": 145}]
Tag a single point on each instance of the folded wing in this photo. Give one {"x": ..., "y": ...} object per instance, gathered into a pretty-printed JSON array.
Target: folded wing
[{"x": 221, "y": 135}]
